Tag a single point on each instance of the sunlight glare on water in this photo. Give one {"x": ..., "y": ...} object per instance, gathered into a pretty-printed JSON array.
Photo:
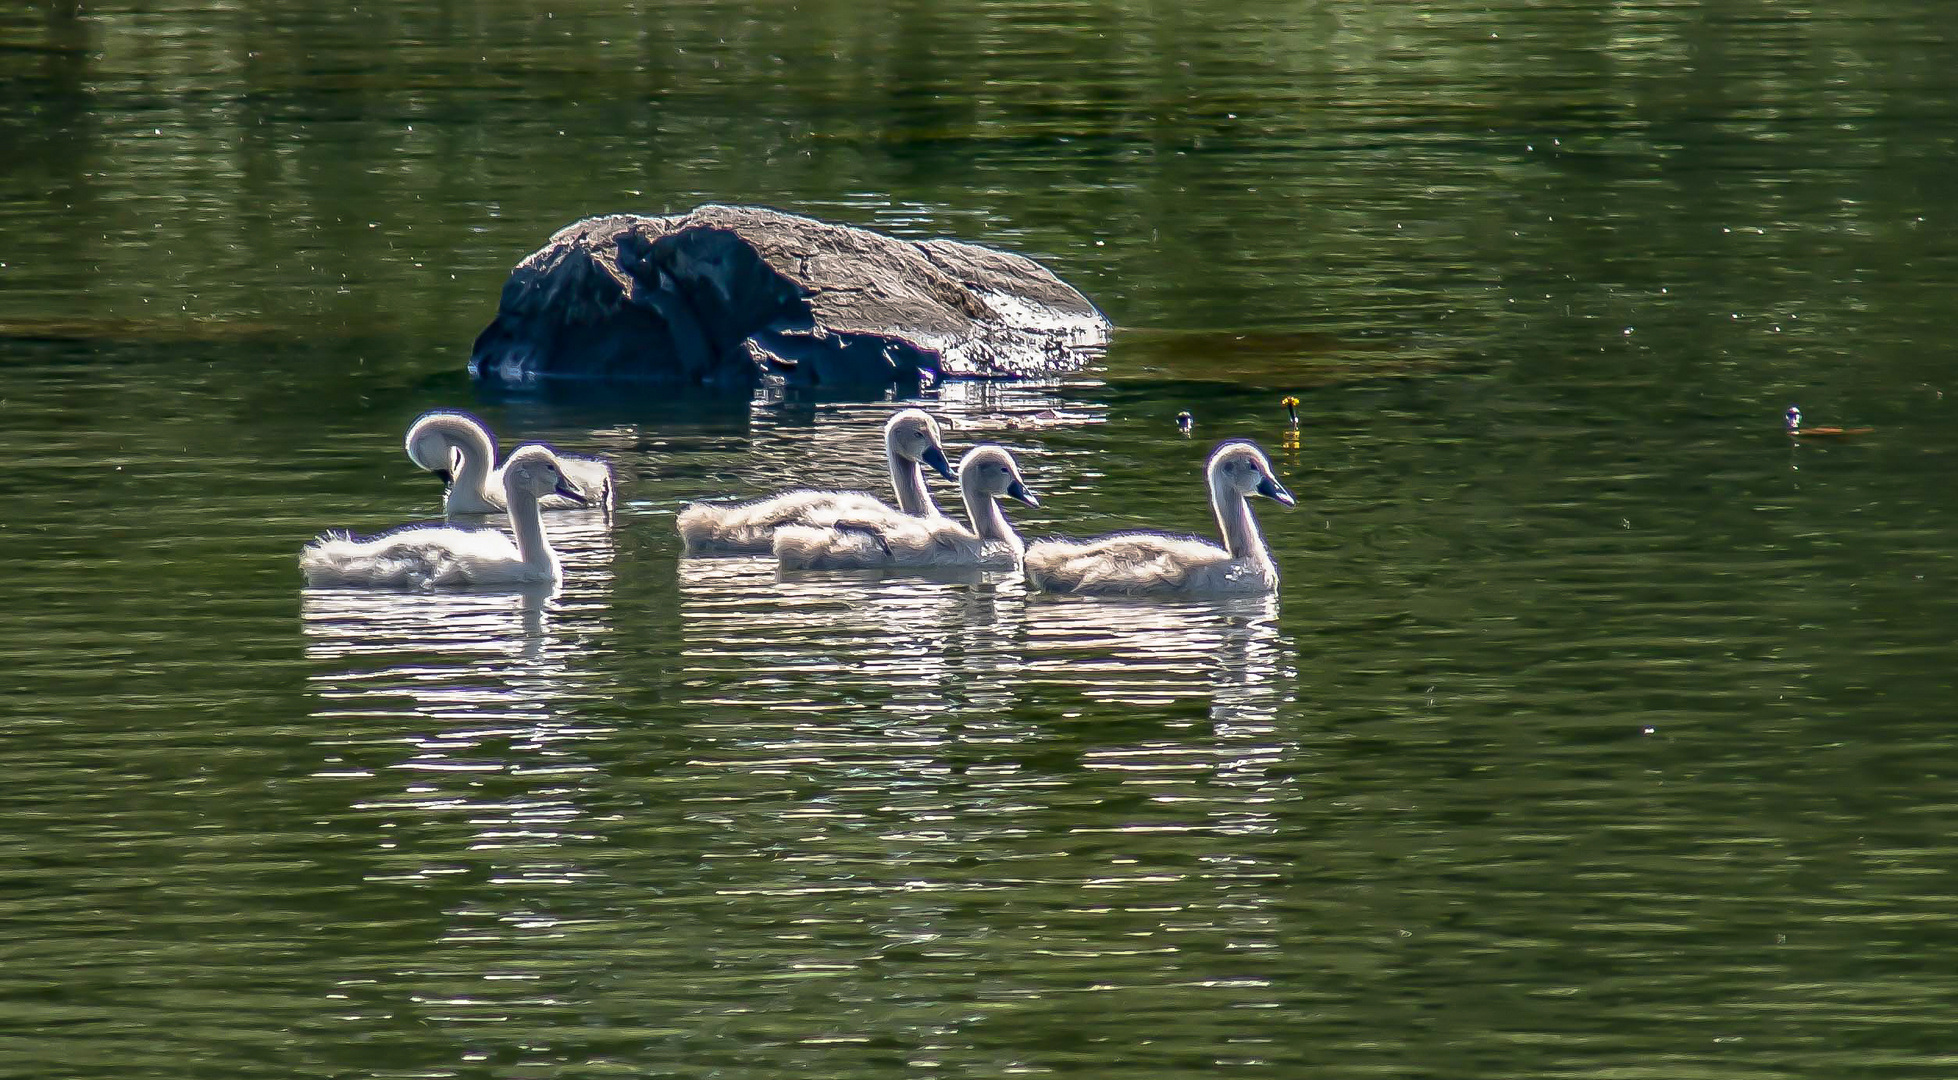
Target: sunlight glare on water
[{"x": 1597, "y": 728}]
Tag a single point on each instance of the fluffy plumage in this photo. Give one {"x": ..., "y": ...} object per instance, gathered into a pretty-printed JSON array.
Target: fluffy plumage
[
  {"x": 459, "y": 448},
  {"x": 911, "y": 441},
  {"x": 421, "y": 557},
  {"x": 842, "y": 540},
  {"x": 1155, "y": 564}
]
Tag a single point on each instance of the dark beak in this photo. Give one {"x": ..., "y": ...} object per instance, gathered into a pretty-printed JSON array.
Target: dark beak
[
  {"x": 446, "y": 476},
  {"x": 1275, "y": 491},
  {"x": 1019, "y": 491},
  {"x": 935, "y": 457},
  {"x": 565, "y": 489}
]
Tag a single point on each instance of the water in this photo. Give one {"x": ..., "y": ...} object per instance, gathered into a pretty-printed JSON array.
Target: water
[{"x": 1597, "y": 729}]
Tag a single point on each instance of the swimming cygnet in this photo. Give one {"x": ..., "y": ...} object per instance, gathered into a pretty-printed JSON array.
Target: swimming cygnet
[
  {"x": 858, "y": 541},
  {"x": 459, "y": 448},
  {"x": 1152, "y": 564},
  {"x": 425, "y": 557},
  {"x": 911, "y": 439}
]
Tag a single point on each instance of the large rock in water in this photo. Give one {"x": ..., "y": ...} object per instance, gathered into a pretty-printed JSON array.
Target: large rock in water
[{"x": 725, "y": 295}]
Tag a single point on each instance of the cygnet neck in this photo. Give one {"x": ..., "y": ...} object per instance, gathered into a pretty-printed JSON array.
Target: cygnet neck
[
  {"x": 527, "y": 521},
  {"x": 982, "y": 509},
  {"x": 908, "y": 481},
  {"x": 1235, "y": 521},
  {"x": 478, "y": 455}
]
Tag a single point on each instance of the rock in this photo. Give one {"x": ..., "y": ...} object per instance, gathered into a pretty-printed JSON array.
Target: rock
[{"x": 726, "y": 295}]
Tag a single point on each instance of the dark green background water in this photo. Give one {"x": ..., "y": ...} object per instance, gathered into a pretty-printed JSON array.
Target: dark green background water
[{"x": 1598, "y": 729}]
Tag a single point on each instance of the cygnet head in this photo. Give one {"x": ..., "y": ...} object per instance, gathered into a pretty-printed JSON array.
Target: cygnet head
[
  {"x": 913, "y": 435},
  {"x": 1241, "y": 468},
  {"x": 533, "y": 471},
  {"x": 432, "y": 440},
  {"x": 990, "y": 470}
]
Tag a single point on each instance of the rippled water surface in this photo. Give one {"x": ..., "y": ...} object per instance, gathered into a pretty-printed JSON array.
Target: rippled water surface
[{"x": 1599, "y": 729}]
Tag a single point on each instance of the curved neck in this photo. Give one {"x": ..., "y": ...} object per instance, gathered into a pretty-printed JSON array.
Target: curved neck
[
  {"x": 908, "y": 481},
  {"x": 982, "y": 509},
  {"x": 527, "y": 521},
  {"x": 478, "y": 457},
  {"x": 1241, "y": 536}
]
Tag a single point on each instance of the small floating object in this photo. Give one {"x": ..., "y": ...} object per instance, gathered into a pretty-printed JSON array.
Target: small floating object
[
  {"x": 1796, "y": 428},
  {"x": 1291, "y": 410},
  {"x": 1184, "y": 422}
]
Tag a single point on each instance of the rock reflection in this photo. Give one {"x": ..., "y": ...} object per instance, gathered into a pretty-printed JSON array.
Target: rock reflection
[{"x": 984, "y": 407}]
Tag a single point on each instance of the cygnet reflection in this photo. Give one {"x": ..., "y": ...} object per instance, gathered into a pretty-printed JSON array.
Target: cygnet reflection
[
  {"x": 448, "y": 729},
  {"x": 467, "y": 628},
  {"x": 1227, "y": 651},
  {"x": 1210, "y": 679},
  {"x": 508, "y": 621},
  {"x": 455, "y": 682},
  {"x": 862, "y": 642},
  {"x": 451, "y": 721},
  {"x": 833, "y": 644}
]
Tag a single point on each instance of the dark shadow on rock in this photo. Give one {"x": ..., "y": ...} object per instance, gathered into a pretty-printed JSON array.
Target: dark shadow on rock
[{"x": 732, "y": 298}]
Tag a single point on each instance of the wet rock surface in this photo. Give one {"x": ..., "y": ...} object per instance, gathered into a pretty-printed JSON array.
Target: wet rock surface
[{"x": 727, "y": 296}]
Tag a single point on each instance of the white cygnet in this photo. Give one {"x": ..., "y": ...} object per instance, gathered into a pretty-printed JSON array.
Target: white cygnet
[
  {"x": 1157, "y": 564},
  {"x": 861, "y": 541},
  {"x": 911, "y": 441},
  {"x": 459, "y": 448},
  {"x": 424, "y": 557}
]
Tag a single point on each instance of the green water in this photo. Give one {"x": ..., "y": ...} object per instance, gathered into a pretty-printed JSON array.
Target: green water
[{"x": 1597, "y": 731}]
